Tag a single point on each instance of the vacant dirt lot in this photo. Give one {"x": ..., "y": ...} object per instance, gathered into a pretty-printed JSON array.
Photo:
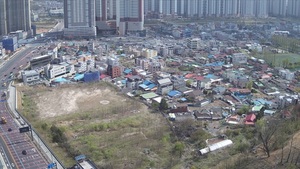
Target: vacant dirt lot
[
  {"x": 62, "y": 101},
  {"x": 113, "y": 130}
]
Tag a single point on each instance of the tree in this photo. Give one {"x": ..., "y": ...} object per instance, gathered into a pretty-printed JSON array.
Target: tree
[
  {"x": 249, "y": 85},
  {"x": 266, "y": 132},
  {"x": 244, "y": 110},
  {"x": 189, "y": 83},
  {"x": 155, "y": 105},
  {"x": 163, "y": 105},
  {"x": 179, "y": 148}
]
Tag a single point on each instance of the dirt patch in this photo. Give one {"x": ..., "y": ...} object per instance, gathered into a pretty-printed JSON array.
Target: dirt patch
[
  {"x": 110, "y": 128},
  {"x": 70, "y": 100}
]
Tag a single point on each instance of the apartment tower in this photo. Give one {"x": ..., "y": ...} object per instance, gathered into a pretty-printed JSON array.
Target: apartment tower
[{"x": 79, "y": 18}]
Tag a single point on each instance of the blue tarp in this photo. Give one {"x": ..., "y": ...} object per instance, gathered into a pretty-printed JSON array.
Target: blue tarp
[
  {"x": 78, "y": 76},
  {"x": 174, "y": 93},
  {"x": 59, "y": 80},
  {"x": 127, "y": 71}
]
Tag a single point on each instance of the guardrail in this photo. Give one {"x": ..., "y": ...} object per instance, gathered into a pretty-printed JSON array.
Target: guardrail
[
  {"x": 43, "y": 146},
  {"x": 36, "y": 137}
]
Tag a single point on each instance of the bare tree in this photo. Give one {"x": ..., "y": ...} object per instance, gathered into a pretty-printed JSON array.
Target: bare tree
[{"x": 266, "y": 132}]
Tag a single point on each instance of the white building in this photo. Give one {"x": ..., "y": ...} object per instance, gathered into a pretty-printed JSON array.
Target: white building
[
  {"x": 193, "y": 43},
  {"x": 239, "y": 58},
  {"x": 30, "y": 76},
  {"x": 63, "y": 69}
]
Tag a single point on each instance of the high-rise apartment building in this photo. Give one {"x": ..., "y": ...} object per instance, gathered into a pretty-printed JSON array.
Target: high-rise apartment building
[
  {"x": 14, "y": 15},
  {"x": 79, "y": 18},
  {"x": 293, "y": 8},
  {"x": 277, "y": 7},
  {"x": 102, "y": 14},
  {"x": 130, "y": 16},
  {"x": 3, "y": 26},
  {"x": 261, "y": 8}
]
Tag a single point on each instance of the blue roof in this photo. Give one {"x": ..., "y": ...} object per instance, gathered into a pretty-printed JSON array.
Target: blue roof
[
  {"x": 143, "y": 86},
  {"x": 209, "y": 76},
  {"x": 123, "y": 81},
  {"x": 146, "y": 82},
  {"x": 80, "y": 157},
  {"x": 261, "y": 102},
  {"x": 174, "y": 93},
  {"x": 60, "y": 80},
  {"x": 78, "y": 76},
  {"x": 127, "y": 71},
  {"x": 183, "y": 99},
  {"x": 151, "y": 86}
]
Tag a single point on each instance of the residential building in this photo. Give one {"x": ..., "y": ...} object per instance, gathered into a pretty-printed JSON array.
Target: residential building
[
  {"x": 102, "y": 14},
  {"x": 154, "y": 66},
  {"x": 164, "y": 86},
  {"x": 30, "y": 76},
  {"x": 58, "y": 70},
  {"x": 3, "y": 22},
  {"x": 277, "y": 7},
  {"x": 40, "y": 61},
  {"x": 293, "y": 8},
  {"x": 113, "y": 68},
  {"x": 239, "y": 58},
  {"x": 178, "y": 82},
  {"x": 133, "y": 82},
  {"x": 79, "y": 18},
  {"x": 130, "y": 16},
  {"x": 179, "y": 108},
  {"x": 193, "y": 43},
  {"x": 15, "y": 15}
]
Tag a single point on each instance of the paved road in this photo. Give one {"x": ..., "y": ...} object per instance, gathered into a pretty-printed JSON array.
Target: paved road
[
  {"x": 12, "y": 65},
  {"x": 13, "y": 142},
  {"x": 16, "y": 142}
]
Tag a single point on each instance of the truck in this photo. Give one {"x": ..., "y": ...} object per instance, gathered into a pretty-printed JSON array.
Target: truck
[{"x": 3, "y": 120}]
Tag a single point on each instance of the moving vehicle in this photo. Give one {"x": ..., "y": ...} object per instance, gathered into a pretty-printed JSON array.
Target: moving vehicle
[{"x": 3, "y": 120}]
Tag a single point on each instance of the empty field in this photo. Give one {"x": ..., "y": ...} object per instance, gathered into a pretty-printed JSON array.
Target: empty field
[{"x": 113, "y": 130}]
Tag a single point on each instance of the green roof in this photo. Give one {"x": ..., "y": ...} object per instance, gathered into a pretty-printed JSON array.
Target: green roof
[
  {"x": 257, "y": 108},
  {"x": 149, "y": 95}
]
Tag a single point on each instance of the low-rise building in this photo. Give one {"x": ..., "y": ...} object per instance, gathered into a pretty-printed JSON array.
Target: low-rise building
[
  {"x": 239, "y": 58},
  {"x": 30, "y": 76},
  {"x": 164, "y": 86},
  {"x": 40, "y": 61},
  {"x": 62, "y": 69}
]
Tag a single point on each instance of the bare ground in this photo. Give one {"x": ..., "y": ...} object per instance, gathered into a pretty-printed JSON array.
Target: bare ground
[{"x": 113, "y": 130}]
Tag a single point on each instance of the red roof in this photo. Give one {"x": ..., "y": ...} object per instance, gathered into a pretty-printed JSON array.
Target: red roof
[
  {"x": 102, "y": 76},
  {"x": 190, "y": 75},
  {"x": 199, "y": 78},
  {"x": 250, "y": 118}
]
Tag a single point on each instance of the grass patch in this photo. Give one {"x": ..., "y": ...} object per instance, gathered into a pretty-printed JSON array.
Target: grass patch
[{"x": 122, "y": 133}]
